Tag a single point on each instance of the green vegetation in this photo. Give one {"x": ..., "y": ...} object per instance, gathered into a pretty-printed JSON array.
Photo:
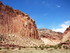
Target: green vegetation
[
  {"x": 42, "y": 47},
  {"x": 36, "y": 51},
  {"x": 35, "y": 47},
  {"x": 48, "y": 46},
  {"x": 0, "y": 48}
]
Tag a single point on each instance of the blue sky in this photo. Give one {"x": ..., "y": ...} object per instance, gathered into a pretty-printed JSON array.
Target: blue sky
[{"x": 51, "y": 14}]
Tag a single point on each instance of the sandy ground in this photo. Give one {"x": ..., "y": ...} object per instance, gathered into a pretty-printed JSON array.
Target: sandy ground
[{"x": 36, "y": 51}]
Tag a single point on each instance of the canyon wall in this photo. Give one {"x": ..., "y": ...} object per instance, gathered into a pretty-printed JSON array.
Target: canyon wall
[
  {"x": 16, "y": 22},
  {"x": 16, "y": 27}
]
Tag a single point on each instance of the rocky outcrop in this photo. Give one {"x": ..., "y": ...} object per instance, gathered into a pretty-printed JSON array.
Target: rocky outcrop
[
  {"x": 16, "y": 27},
  {"x": 15, "y": 22},
  {"x": 50, "y": 37},
  {"x": 67, "y": 30},
  {"x": 66, "y": 35},
  {"x": 48, "y": 32}
]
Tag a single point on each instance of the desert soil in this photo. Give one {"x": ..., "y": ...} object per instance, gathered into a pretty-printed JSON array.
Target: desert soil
[{"x": 36, "y": 51}]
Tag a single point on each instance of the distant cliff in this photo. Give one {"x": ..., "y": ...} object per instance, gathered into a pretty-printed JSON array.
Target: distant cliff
[
  {"x": 48, "y": 32},
  {"x": 50, "y": 37},
  {"x": 66, "y": 35}
]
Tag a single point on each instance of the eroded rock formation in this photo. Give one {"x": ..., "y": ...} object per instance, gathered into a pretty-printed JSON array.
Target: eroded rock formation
[
  {"x": 67, "y": 30},
  {"x": 15, "y": 22},
  {"x": 16, "y": 27},
  {"x": 66, "y": 35},
  {"x": 50, "y": 37},
  {"x": 48, "y": 32}
]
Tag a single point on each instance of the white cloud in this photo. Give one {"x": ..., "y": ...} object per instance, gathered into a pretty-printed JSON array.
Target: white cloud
[
  {"x": 62, "y": 27},
  {"x": 58, "y": 6}
]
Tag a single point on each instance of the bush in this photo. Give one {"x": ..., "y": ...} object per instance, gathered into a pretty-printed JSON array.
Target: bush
[
  {"x": 42, "y": 47},
  {"x": 12, "y": 48},
  {"x": 47, "y": 46},
  {"x": 65, "y": 47},
  {"x": 55, "y": 47},
  {"x": 35, "y": 47},
  {"x": 59, "y": 46},
  {"x": 19, "y": 48},
  {"x": 0, "y": 48}
]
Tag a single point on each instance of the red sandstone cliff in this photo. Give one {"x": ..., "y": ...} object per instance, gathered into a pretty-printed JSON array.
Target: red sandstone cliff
[
  {"x": 15, "y": 22},
  {"x": 16, "y": 27},
  {"x": 53, "y": 38},
  {"x": 66, "y": 35},
  {"x": 67, "y": 30}
]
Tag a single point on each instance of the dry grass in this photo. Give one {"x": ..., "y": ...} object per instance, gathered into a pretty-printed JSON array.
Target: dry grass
[{"x": 36, "y": 51}]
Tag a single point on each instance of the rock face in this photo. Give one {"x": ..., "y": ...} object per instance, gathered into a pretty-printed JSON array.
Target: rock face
[
  {"x": 50, "y": 37},
  {"x": 15, "y": 22},
  {"x": 16, "y": 27},
  {"x": 67, "y": 30},
  {"x": 66, "y": 35},
  {"x": 48, "y": 32}
]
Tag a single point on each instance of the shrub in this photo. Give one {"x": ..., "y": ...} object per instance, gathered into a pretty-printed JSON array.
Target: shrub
[
  {"x": 35, "y": 47},
  {"x": 65, "y": 47},
  {"x": 0, "y": 48},
  {"x": 42, "y": 47},
  {"x": 12, "y": 48},
  {"x": 59, "y": 46},
  {"x": 47, "y": 46},
  {"x": 19, "y": 48}
]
